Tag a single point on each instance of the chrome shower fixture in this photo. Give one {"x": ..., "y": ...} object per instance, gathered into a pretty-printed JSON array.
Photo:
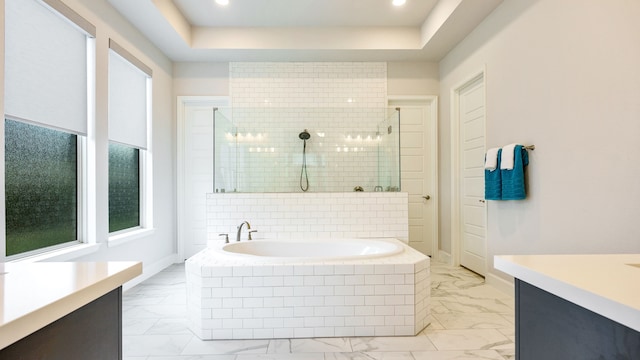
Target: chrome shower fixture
[
  {"x": 304, "y": 135},
  {"x": 304, "y": 176}
]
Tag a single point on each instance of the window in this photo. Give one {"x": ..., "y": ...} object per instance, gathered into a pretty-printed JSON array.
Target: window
[
  {"x": 129, "y": 151},
  {"x": 124, "y": 187},
  {"x": 48, "y": 75},
  {"x": 41, "y": 187}
]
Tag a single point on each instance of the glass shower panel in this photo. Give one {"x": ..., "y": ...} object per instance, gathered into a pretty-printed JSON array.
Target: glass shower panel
[
  {"x": 266, "y": 152},
  {"x": 388, "y": 136},
  {"x": 225, "y": 151}
]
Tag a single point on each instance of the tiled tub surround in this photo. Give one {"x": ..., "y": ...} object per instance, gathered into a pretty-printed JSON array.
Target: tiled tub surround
[
  {"x": 239, "y": 298},
  {"x": 309, "y": 215}
]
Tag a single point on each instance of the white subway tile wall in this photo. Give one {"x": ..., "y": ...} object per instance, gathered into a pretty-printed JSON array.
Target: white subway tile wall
[
  {"x": 309, "y": 215},
  {"x": 344, "y": 107},
  {"x": 237, "y": 299},
  {"x": 308, "y": 84}
]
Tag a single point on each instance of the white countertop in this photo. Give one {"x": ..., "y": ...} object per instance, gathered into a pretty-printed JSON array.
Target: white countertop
[
  {"x": 604, "y": 284},
  {"x": 33, "y": 295}
]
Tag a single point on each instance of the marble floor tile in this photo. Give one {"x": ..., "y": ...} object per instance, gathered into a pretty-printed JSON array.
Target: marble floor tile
[
  {"x": 298, "y": 356},
  {"x": 143, "y": 299},
  {"x": 472, "y": 321},
  {"x": 170, "y": 326},
  {"x": 510, "y": 317},
  {"x": 137, "y": 326},
  {"x": 320, "y": 345},
  {"x": 279, "y": 346},
  {"x": 175, "y": 299},
  {"x": 193, "y": 357},
  {"x": 509, "y": 333},
  {"x": 480, "y": 339},
  {"x": 465, "y": 304},
  {"x": 155, "y": 312},
  {"x": 458, "y": 355},
  {"x": 400, "y": 343},
  {"x": 201, "y": 347},
  {"x": 145, "y": 345},
  {"x": 507, "y": 354},
  {"x": 369, "y": 356}
]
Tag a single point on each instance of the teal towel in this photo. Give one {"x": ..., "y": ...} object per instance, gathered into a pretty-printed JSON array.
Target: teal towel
[
  {"x": 493, "y": 182},
  {"x": 513, "y": 180}
]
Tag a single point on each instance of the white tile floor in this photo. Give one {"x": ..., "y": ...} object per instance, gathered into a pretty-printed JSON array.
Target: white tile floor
[{"x": 471, "y": 320}]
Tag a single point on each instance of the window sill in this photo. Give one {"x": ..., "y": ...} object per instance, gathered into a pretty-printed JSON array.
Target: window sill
[
  {"x": 123, "y": 238},
  {"x": 64, "y": 254}
]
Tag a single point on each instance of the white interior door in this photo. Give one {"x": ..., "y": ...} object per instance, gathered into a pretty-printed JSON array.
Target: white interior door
[
  {"x": 471, "y": 111},
  {"x": 418, "y": 146},
  {"x": 195, "y": 162}
]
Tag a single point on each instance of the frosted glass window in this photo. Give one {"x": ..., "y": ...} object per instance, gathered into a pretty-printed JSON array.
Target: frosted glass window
[
  {"x": 41, "y": 187},
  {"x": 124, "y": 187},
  {"x": 45, "y": 64}
]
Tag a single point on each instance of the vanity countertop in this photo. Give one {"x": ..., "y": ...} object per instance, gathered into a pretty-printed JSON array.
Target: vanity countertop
[
  {"x": 37, "y": 294},
  {"x": 607, "y": 284}
]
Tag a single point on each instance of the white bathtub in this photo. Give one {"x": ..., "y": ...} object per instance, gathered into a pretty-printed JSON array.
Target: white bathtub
[
  {"x": 300, "y": 289},
  {"x": 310, "y": 250}
]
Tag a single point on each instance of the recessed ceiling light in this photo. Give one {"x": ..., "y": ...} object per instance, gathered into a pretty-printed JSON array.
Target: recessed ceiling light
[
  {"x": 226, "y": 2},
  {"x": 398, "y": 2}
]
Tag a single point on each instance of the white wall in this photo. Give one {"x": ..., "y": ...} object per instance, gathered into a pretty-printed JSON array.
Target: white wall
[
  {"x": 201, "y": 79},
  {"x": 412, "y": 78},
  {"x": 157, "y": 250},
  {"x": 565, "y": 76}
]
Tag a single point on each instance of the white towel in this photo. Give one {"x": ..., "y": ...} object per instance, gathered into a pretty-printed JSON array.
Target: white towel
[
  {"x": 491, "y": 160},
  {"x": 508, "y": 157}
]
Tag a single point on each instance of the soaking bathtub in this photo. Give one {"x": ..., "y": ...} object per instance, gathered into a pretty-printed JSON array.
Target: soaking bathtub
[
  {"x": 309, "y": 250},
  {"x": 297, "y": 289}
]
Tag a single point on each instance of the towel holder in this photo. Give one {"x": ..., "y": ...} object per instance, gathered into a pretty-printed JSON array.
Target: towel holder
[{"x": 529, "y": 147}]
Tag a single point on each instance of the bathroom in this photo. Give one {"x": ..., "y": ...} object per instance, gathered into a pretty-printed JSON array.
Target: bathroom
[{"x": 553, "y": 79}]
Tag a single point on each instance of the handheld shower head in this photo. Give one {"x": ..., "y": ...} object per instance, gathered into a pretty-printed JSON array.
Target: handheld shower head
[{"x": 304, "y": 135}]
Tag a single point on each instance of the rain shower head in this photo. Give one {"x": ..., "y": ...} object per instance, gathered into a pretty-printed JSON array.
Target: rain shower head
[{"x": 304, "y": 135}]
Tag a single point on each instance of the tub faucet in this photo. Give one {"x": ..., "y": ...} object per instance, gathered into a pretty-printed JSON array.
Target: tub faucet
[{"x": 240, "y": 230}]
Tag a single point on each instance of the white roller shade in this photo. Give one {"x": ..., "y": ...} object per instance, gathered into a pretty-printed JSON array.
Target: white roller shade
[
  {"x": 45, "y": 67},
  {"x": 127, "y": 102}
]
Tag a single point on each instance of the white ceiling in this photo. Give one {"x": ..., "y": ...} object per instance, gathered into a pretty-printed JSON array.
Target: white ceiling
[
  {"x": 305, "y": 30},
  {"x": 294, "y": 13}
]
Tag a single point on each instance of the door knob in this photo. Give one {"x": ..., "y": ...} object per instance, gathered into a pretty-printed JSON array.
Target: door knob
[{"x": 426, "y": 197}]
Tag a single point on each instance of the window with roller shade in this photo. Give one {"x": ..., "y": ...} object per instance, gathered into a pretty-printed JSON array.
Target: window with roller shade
[
  {"x": 48, "y": 73},
  {"x": 129, "y": 104}
]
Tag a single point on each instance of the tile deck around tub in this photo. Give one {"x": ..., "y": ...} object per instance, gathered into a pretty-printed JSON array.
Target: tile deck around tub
[{"x": 387, "y": 296}]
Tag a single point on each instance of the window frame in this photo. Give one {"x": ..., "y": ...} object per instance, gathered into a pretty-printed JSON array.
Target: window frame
[
  {"x": 85, "y": 242},
  {"x": 146, "y": 227},
  {"x": 81, "y": 213},
  {"x": 140, "y": 187}
]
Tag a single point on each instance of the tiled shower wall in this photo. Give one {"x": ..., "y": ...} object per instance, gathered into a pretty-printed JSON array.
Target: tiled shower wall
[
  {"x": 310, "y": 215},
  {"x": 341, "y": 104}
]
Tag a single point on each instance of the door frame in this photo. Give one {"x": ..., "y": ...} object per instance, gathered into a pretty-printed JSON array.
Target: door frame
[
  {"x": 432, "y": 101},
  {"x": 455, "y": 163},
  {"x": 181, "y": 105}
]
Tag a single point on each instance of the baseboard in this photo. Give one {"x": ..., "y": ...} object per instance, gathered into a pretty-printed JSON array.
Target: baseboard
[
  {"x": 149, "y": 270},
  {"x": 444, "y": 257},
  {"x": 505, "y": 286}
]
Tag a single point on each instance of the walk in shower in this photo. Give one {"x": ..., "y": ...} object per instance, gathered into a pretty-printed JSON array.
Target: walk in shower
[{"x": 306, "y": 149}]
